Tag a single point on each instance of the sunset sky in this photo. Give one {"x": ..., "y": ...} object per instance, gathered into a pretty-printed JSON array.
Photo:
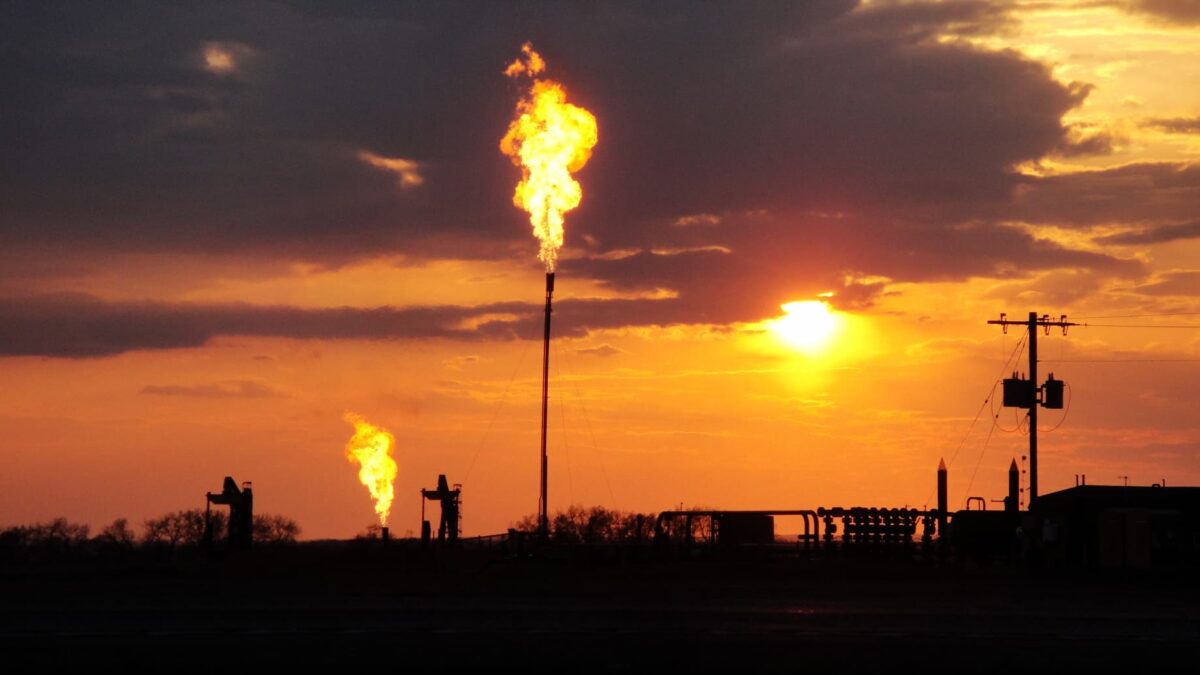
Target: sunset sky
[{"x": 224, "y": 226}]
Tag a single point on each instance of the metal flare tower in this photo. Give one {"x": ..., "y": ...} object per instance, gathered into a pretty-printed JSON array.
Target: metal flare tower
[{"x": 543, "y": 517}]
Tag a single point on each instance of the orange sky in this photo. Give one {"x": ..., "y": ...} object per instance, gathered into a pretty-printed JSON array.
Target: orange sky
[{"x": 704, "y": 406}]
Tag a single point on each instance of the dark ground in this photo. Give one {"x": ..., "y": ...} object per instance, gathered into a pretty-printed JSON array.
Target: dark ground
[{"x": 338, "y": 604}]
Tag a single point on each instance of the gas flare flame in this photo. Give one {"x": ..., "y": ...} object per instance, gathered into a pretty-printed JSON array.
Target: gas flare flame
[
  {"x": 371, "y": 449},
  {"x": 549, "y": 139}
]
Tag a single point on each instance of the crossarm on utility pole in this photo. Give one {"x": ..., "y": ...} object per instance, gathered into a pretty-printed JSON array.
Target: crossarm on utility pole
[{"x": 1032, "y": 324}]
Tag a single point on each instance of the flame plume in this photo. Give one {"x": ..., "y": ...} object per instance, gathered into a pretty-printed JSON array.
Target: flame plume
[
  {"x": 371, "y": 449},
  {"x": 549, "y": 139}
]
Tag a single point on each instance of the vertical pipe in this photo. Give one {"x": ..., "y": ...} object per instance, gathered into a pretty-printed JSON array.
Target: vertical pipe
[
  {"x": 1033, "y": 410},
  {"x": 943, "y": 503},
  {"x": 543, "y": 516},
  {"x": 1013, "y": 503}
]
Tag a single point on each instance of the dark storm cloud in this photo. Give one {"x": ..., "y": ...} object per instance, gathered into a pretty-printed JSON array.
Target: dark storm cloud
[
  {"x": 80, "y": 326},
  {"x": 835, "y": 117},
  {"x": 1089, "y": 140},
  {"x": 1154, "y": 235},
  {"x": 117, "y": 135},
  {"x": 830, "y": 139},
  {"x": 84, "y": 326},
  {"x": 1135, "y": 193},
  {"x": 772, "y": 264}
]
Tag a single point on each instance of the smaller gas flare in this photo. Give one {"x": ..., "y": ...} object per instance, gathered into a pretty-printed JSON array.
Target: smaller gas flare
[
  {"x": 371, "y": 449},
  {"x": 549, "y": 139}
]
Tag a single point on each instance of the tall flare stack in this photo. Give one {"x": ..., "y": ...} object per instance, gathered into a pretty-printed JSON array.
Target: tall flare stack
[
  {"x": 549, "y": 139},
  {"x": 543, "y": 509}
]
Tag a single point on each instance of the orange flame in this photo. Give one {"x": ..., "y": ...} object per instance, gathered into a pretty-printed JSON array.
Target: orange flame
[
  {"x": 549, "y": 139},
  {"x": 371, "y": 449}
]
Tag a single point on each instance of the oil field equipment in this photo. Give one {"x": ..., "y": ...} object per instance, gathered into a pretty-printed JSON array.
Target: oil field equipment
[
  {"x": 449, "y": 526},
  {"x": 241, "y": 513},
  {"x": 1021, "y": 392}
]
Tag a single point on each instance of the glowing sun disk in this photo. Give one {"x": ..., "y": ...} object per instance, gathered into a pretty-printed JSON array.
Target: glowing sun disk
[{"x": 805, "y": 326}]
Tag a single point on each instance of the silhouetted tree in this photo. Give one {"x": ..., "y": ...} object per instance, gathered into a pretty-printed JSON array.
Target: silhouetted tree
[
  {"x": 182, "y": 529},
  {"x": 274, "y": 529},
  {"x": 118, "y": 534},
  {"x": 527, "y": 523},
  {"x": 636, "y": 527},
  {"x": 43, "y": 540},
  {"x": 569, "y": 525},
  {"x": 595, "y": 525},
  {"x": 116, "y": 541},
  {"x": 60, "y": 531}
]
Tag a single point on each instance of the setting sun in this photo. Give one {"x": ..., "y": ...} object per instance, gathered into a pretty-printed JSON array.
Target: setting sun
[{"x": 805, "y": 326}]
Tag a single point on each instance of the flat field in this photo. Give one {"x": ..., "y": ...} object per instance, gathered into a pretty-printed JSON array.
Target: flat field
[{"x": 339, "y": 603}]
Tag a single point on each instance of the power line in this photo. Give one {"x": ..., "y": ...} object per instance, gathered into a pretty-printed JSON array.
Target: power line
[
  {"x": 588, "y": 421},
  {"x": 1141, "y": 325},
  {"x": 1016, "y": 353},
  {"x": 982, "y": 452},
  {"x": 487, "y": 434},
  {"x": 1139, "y": 316},
  {"x": 1118, "y": 360},
  {"x": 995, "y": 416},
  {"x": 566, "y": 444}
]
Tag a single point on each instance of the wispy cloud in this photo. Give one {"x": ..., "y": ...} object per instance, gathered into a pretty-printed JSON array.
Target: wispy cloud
[
  {"x": 1175, "y": 125},
  {"x": 602, "y": 350},
  {"x": 225, "y": 389},
  {"x": 408, "y": 174}
]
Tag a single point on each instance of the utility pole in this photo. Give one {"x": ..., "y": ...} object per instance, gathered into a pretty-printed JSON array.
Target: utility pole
[{"x": 1022, "y": 393}]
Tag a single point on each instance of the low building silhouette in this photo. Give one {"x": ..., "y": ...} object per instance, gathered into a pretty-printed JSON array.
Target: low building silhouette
[{"x": 1120, "y": 526}]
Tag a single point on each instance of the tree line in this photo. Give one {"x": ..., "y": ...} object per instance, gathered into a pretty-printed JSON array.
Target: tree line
[
  {"x": 595, "y": 525},
  {"x": 177, "y": 531}
]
